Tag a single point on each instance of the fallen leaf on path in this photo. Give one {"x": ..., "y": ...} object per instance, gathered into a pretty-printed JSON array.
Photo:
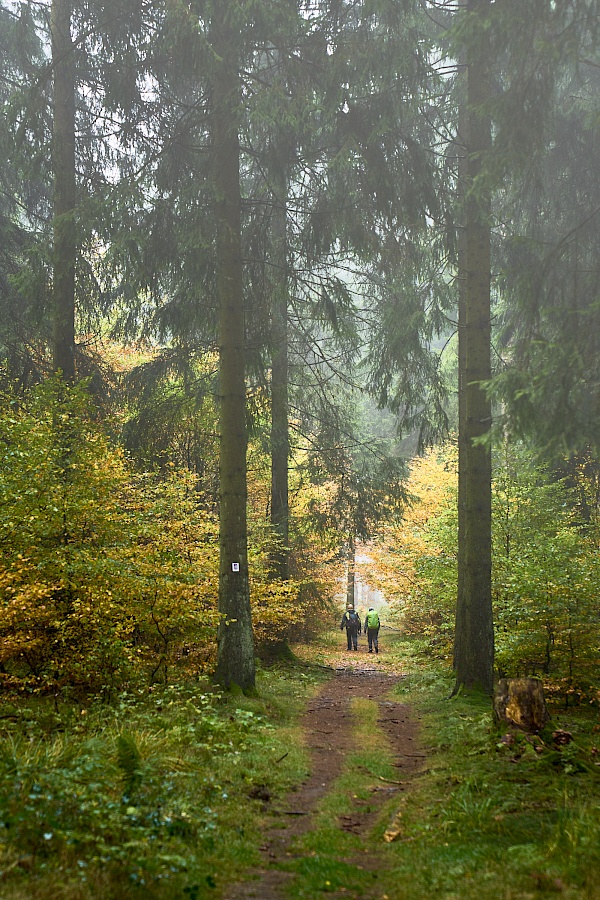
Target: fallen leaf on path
[{"x": 394, "y": 831}]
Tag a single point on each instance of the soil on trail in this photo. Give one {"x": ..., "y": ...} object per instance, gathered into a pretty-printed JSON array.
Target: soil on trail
[{"x": 328, "y": 735}]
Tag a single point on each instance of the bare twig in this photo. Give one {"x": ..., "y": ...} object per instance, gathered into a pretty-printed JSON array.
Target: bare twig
[{"x": 391, "y": 780}]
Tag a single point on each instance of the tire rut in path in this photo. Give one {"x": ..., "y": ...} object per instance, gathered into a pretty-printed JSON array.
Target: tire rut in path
[{"x": 328, "y": 735}]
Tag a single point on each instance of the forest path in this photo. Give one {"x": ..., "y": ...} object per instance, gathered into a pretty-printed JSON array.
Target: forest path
[{"x": 332, "y": 738}]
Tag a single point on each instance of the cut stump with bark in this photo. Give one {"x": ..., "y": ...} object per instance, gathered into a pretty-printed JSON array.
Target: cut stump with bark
[{"x": 520, "y": 702}]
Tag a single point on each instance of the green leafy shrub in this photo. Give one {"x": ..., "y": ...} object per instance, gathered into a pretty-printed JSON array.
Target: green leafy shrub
[
  {"x": 104, "y": 574},
  {"x": 147, "y": 794},
  {"x": 545, "y": 577},
  {"x": 150, "y": 796},
  {"x": 546, "y": 580}
]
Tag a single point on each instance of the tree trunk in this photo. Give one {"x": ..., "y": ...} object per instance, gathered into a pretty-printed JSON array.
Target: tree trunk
[
  {"x": 63, "y": 156},
  {"x": 461, "y": 605},
  {"x": 474, "y": 650},
  {"x": 235, "y": 659},
  {"x": 280, "y": 440},
  {"x": 351, "y": 579}
]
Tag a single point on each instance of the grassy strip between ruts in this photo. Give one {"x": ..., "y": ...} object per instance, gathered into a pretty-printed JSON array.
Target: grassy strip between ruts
[
  {"x": 327, "y": 859},
  {"x": 489, "y": 816},
  {"x": 158, "y": 796}
]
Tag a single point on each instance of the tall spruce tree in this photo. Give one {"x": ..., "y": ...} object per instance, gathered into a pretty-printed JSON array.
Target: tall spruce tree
[
  {"x": 235, "y": 661},
  {"x": 65, "y": 189},
  {"x": 514, "y": 52},
  {"x": 474, "y": 646},
  {"x": 70, "y": 133},
  {"x": 26, "y": 205},
  {"x": 280, "y": 409}
]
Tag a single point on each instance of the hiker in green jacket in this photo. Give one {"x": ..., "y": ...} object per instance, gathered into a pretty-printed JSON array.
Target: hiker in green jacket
[{"x": 372, "y": 625}]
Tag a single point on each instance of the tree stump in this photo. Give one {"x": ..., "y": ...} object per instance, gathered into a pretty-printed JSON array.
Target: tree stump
[{"x": 520, "y": 702}]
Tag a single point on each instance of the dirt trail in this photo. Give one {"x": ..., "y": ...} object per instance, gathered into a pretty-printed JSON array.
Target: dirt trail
[{"x": 327, "y": 727}]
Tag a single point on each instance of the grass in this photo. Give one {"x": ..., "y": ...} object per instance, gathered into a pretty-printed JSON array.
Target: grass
[
  {"x": 150, "y": 797},
  {"x": 488, "y": 819},
  {"x": 153, "y": 796},
  {"x": 484, "y": 819}
]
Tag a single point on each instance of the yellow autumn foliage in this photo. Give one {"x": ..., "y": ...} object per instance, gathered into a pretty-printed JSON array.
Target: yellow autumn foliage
[
  {"x": 108, "y": 575},
  {"x": 397, "y": 557}
]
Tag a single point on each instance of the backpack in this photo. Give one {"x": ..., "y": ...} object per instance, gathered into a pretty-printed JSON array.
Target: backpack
[{"x": 373, "y": 619}]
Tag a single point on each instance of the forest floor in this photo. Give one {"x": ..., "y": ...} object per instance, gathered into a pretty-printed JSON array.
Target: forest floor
[
  {"x": 348, "y": 774},
  {"x": 409, "y": 796},
  {"x": 356, "y": 698}
]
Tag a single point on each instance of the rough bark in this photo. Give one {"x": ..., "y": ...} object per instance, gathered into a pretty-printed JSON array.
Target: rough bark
[
  {"x": 474, "y": 651},
  {"x": 235, "y": 658},
  {"x": 280, "y": 441},
  {"x": 351, "y": 579},
  {"x": 461, "y": 605},
  {"x": 63, "y": 158}
]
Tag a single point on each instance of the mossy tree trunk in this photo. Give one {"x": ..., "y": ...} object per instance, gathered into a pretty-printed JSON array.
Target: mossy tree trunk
[{"x": 235, "y": 660}]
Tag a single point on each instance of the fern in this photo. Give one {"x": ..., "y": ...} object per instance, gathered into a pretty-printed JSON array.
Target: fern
[{"x": 129, "y": 761}]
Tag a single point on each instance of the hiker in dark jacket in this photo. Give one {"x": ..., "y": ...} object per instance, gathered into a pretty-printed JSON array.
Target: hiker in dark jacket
[
  {"x": 351, "y": 622},
  {"x": 372, "y": 626}
]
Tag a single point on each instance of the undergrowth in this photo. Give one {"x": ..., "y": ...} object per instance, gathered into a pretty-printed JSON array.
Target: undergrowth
[
  {"x": 165, "y": 794},
  {"x": 491, "y": 814},
  {"x": 153, "y": 796},
  {"x": 494, "y": 813}
]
